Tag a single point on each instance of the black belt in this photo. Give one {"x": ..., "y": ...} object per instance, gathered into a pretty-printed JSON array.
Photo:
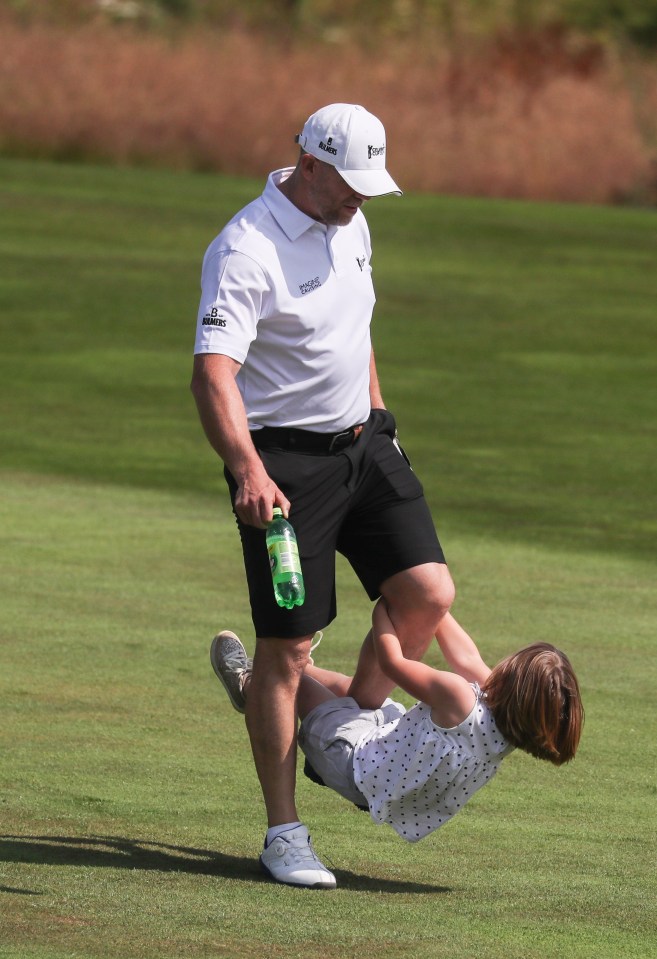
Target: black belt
[{"x": 304, "y": 441}]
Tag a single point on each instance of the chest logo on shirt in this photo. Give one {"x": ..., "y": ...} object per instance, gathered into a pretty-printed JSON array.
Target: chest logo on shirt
[
  {"x": 214, "y": 318},
  {"x": 309, "y": 286},
  {"x": 360, "y": 260}
]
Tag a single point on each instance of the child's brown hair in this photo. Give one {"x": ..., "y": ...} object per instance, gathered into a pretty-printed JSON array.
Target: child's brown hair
[{"x": 535, "y": 700}]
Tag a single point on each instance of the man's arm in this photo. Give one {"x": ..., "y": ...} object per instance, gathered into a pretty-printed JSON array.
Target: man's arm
[
  {"x": 224, "y": 420},
  {"x": 376, "y": 399}
]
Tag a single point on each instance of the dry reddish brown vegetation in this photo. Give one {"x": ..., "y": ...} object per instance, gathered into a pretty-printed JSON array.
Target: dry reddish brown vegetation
[{"x": 537, "y": 117}]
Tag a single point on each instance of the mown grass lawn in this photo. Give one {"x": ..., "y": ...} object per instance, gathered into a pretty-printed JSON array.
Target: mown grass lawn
[{"x": 516, "y": 347}]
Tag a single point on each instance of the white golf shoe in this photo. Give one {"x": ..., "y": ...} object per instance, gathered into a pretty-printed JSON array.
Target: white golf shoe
[{"x": 290, "y": 859}]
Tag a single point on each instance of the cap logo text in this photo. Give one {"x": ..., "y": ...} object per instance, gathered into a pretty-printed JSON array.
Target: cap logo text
[
  {"x": 375, "y": 151},
  {"x": 327, "y": 146}
]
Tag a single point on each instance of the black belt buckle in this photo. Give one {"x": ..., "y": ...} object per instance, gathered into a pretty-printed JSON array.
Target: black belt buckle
[
  {"x": 341, "y": 440},
  {"x": 347, "y": 438}
]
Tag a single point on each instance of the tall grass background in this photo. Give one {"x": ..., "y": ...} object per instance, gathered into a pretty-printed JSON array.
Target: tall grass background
[{"x": 524, "y": 111}]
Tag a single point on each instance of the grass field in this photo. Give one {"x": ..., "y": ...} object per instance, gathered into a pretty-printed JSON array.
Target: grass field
[{"x": 516, "y": 345}]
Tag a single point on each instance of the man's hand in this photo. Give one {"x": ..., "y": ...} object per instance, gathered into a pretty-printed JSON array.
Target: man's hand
[{"x": 256, "y": 497}]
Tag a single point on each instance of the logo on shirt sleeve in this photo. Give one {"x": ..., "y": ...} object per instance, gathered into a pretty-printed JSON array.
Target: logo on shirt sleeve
[{"x": 214, "y": 318}]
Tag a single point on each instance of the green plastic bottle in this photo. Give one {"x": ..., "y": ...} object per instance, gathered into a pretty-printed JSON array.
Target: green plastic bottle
[{"x": 284, "y": 562}]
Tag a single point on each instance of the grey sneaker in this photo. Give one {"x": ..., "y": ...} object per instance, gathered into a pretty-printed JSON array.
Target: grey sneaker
[
  {"x": 232, "y": 666},
  {"x": 291, "y": 859}
]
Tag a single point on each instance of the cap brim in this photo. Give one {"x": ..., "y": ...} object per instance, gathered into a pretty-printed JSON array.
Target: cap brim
[{"x": 370, "y": 182}]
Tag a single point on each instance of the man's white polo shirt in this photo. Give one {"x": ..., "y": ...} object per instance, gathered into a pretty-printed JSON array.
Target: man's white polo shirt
[{"x": 291, "y": 300}]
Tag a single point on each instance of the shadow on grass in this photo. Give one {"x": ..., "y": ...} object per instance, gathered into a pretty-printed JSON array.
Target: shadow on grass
[
  {"x": 20, "y": 892},
  {"x": 116, "y": 852}
]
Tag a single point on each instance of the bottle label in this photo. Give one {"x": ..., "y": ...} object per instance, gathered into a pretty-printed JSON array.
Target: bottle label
[{"x": 284, "y": 557}]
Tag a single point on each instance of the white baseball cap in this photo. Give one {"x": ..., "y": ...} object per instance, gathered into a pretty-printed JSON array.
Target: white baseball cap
[{"x": 354, "y": 142}]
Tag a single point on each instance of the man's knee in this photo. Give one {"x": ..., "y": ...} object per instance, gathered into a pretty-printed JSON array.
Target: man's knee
[
  {"x": 445, "y": 591},
  {"x": 425, "y": 590},
  {"x": 437, "y": 597},
  {"x": 279, "y": 660},
  {"x": 417, "y": 600}
]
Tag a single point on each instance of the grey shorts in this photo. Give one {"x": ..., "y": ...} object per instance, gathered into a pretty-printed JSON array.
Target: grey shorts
[{"x": 329, "y": 735}]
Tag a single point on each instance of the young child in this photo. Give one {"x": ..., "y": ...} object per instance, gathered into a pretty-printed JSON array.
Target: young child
[{"x": 415, "y": 769}]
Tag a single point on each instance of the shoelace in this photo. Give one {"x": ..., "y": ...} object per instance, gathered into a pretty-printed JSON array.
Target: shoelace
[
  {"x": 298, "y": 849},
  {"x": 303, "y": 851},
  {"x": 318, "y": 637}
]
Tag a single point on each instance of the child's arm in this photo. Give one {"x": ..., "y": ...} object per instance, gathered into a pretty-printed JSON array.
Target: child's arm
[
  {"x": 449, "y": 695},
  {"x": 460, "y": 651}
]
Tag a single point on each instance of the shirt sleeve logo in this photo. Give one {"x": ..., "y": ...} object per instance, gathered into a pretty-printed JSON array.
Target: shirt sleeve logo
[{"x": 214, "y": 318}]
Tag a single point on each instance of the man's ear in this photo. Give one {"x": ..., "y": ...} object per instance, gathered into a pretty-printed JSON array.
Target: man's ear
[{"x": 308, "y": 165}]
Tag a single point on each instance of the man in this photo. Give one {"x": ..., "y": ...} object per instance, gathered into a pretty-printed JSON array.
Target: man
[{"x": 288, "y": 395}]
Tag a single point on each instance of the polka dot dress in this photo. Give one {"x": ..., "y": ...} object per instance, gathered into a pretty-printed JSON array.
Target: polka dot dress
[{"x": 417, "y": 775}]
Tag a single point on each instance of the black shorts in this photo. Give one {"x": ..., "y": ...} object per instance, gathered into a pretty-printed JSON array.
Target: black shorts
[{"x": 364, "y": 502}]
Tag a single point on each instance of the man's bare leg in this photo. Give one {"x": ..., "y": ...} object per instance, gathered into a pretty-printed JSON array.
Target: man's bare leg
[
  {"x": 268, "y": 695},
  {"x": 271, "y": 720},
  {"x": 417, "y": 599}
]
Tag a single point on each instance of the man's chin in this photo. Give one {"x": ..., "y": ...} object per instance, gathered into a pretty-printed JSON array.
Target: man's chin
[{"x": 347, "y": 214}]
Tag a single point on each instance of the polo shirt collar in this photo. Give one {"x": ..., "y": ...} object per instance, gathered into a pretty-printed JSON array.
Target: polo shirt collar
[{"x": 292, "y": 221}]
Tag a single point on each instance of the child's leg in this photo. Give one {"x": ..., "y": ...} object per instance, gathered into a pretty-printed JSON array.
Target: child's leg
[
  {"x": 312, "y": 692},
  {"x": 338, "y": 683},
  {"x": 370, "y": 686}
]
